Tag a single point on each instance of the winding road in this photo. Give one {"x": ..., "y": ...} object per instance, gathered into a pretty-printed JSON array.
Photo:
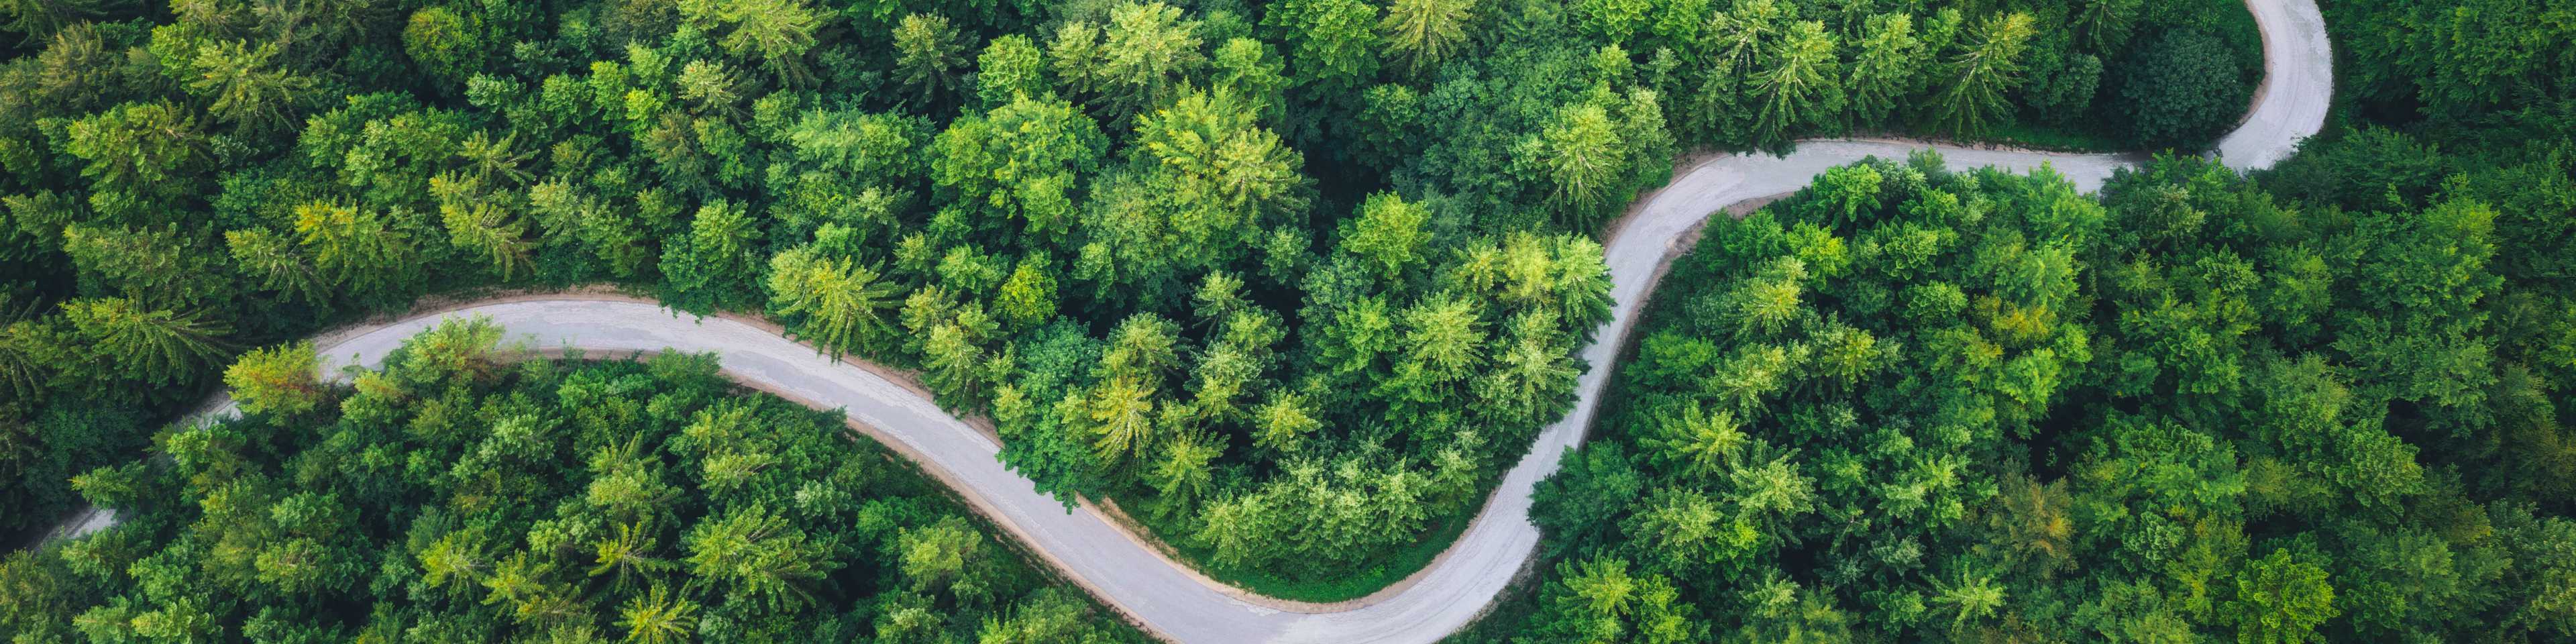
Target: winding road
[{"x": 1171, "y": 600}]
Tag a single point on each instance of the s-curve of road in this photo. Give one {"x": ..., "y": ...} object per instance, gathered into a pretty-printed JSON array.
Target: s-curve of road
[{"x": 1166, "y": 597}]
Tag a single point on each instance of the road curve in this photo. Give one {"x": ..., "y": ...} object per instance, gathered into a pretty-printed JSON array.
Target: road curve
[{"x": 1173, "y": 602}]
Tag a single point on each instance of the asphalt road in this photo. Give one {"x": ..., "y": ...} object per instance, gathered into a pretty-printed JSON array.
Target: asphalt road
[{"x": 1166, "y": 597}]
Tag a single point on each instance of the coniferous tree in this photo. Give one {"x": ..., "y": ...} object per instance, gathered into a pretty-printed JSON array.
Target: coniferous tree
[
  {"x": 1987, "y": 65},
  {"x": 1886, "y": 70},
  {"x": 1799, "y": 89},
  {"x": 1425, "y": 32}
]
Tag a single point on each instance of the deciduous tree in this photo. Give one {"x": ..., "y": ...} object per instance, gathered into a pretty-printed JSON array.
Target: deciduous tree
[{"x": 277, "y": 380}]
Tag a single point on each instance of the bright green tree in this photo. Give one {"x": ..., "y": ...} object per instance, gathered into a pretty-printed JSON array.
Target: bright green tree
[
  {"x": 929, "y": 55},
  {"x": 713, "y": 266},
  {"x": 658, "y": 617},
  {"x": 838, "y": 305},
  {"x": 777, "y": 32},
  {"x": 1423, "y": 33},
  {"x": 1389, "y": 234},
  {"x": 280, "y": 380},
  {"x": 1010, "y": 66},
  {"x": 754, "y": 554},
  {"x": 138, "y": 153},
  {"x": 1140, "y": 60},
  {"x": 248, "y": 91},
  {"x": 2282, "y": 600},
  {"x": 1887, "y": 69},
  {"x": 1799, "y": 89},
  {"x": 1333, "y": 43},
  {"x": 357, "y": 247},
  {"x": 1987, "y": 65}
]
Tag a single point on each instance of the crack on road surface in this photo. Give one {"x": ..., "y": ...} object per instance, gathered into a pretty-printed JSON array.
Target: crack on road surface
[{"x": 1123, "y": 569}]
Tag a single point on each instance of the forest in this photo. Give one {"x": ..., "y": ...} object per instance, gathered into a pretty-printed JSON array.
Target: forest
[
  {"x": 2326, "y": 403},
  {"x": 471, "y": 492},
  {"x": 1289, "y": 281},
  {"x": 1910, "y": 405}
]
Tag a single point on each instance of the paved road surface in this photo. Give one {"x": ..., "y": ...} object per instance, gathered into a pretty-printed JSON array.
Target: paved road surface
[{"x": 1179, "y": 605}]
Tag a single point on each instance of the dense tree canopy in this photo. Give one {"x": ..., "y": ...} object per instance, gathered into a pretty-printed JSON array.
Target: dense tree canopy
[
  {"x": 1910, "y": 404},
  {"x": 1102, "y": 224},
  {"x": 2458, "y": 60},
  {"x": 1218, "y": 262},
  {"x": 464, "y": 494},
  {"x": 1290, "y": 282}
]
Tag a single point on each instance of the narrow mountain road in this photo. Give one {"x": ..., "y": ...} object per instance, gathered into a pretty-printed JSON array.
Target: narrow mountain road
[{"x": 1168, "y": 598}]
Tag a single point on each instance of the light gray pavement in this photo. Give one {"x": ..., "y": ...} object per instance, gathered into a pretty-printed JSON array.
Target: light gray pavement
[
  {"x": 2298, "y": 85},
  {"x": 1177, "y": 604}
]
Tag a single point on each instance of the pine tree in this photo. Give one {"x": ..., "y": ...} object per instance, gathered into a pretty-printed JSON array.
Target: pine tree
[
  {"x": 928, "y": 54},
  {"x": 277, "y": 265},
  {"x": 1143, "y": 58},
  {"x": 1886, "y": 71},
  {"x": 1799, "y": 89},
  {"x": 248, "y": 93},
  {"x": 1579, "y": 154},
  {"x": 357, "y": 247},
  {"x": 155, "y": 346},
  {"x": 1987, "y": 66},
  {"x": 658, "y": 617}
]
